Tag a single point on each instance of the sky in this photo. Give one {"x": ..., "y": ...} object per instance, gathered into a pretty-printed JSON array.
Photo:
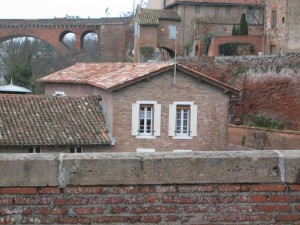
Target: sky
[{"x": 48, "y": 9}]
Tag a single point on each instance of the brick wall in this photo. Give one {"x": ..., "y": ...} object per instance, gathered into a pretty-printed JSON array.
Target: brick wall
[
  {"x": 260, "y": 187},
  {"x": 152, "y": 204},
  {"x": 260, "y": 138},
  {"x": 212, "y": 113}
]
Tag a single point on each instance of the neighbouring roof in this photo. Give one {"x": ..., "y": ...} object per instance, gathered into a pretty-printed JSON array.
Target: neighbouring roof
[
  {"x": 31, "y": 120},
  {"x": 222, "y": 2},
  {"x": 10, "y": 88},
  {"x": 113, "y": 76},
  {"x": 152, "y": 16}
]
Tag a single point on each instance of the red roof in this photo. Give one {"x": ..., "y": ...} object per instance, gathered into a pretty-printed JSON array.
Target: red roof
[
  {"x": 231, "y": 2},
  {"x": 112, "y": 76}
]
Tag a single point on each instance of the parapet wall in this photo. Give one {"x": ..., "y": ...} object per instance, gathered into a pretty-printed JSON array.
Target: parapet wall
[{"x": 253, "y": 187}]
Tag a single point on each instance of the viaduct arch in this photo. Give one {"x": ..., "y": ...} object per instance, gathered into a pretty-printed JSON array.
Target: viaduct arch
[{"x": 53, "y": 31}]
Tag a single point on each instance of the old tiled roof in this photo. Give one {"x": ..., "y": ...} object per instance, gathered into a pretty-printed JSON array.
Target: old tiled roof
[
  {"x": 107, "y": 76},
  {"x": 222, "y": 2},
  {"x": 112, "y": 76},
  {"x": 152, "y": 16},
  {"x": 51, "y": 121}
]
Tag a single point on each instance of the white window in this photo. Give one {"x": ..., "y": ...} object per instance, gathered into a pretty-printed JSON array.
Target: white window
[
  {"x": 76, "y": 150},
  {"x": 34, "y": 149},
  {"x": 182, "y": 120},
  {"x": 59, "y": 93},
  {"x": 172, "y": 32},
  {"x": 146, "y": 119}
]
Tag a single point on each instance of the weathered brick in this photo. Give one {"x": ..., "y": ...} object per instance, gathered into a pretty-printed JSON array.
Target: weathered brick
[
  {"x": 274, "y": 208},
  {"x": 259, "y": 198},
  {"x": 196, "y": 188},
  {"x": 6, "y": 201},
  {"x": 49, "y": 190},
  {"x": 287, "y": 218},
  {"x": 74, "y": 220},
  {"x": 151, "y": 219},
  {"x": 82, "y": 190},
  {"x": 89, "y": 210},
  {"x": 229, "y": 188},
  {"x": 269, "y": 188},
  {"x": 11, "y": 191},
  {"x": 114, "y": 200},
  {"x": 32, "y": 201}
]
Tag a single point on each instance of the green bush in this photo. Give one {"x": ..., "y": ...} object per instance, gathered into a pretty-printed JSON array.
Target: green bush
[{"x": 262, "y": 121}]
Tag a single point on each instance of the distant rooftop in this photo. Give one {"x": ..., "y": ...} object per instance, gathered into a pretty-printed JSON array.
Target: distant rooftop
[
  {"x": 152, "y": 16},
  {"x": 10, "y": 88},
  {"x": 221, "y": 2}
]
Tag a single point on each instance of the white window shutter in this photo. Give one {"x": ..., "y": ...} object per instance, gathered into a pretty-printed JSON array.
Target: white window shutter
[
  {"x": 172, "y": 119},
  {"x": 135, "y": 119},
  {"x": 193, "y": 125},
  {"x": 157, "y": 119}
]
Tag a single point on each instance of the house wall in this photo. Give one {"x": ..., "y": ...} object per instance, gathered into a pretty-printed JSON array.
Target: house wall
[
  {"x": 54, "y": 149},
  {"x": 285, "y": 36},
  {"x": 258, "y": 187},
  {"x": 212, "y": 113}
]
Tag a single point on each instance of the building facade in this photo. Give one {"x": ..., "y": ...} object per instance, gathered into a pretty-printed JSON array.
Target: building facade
[{"x": 151, "y": 108}]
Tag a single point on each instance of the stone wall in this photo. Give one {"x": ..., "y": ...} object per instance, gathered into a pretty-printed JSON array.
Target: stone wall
[{"x": 260, "y": 187}]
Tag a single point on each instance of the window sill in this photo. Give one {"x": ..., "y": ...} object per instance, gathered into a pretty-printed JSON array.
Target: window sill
[
  {"x": 145, "y": 137},
  {"x": 182, "y": 137}
]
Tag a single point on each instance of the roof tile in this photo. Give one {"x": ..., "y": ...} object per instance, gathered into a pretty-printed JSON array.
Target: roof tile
[{"x": 31, "y": 120}]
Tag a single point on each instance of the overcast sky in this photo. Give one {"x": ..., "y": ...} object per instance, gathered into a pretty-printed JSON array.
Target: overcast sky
[{"x": 41, "y": 9}]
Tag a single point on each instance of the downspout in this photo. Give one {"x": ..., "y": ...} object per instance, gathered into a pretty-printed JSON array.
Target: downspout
[{"x": 265, "y": 29}]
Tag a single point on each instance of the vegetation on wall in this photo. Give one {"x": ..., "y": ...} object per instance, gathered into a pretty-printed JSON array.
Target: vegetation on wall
[
  {"x": 265, "y": 121},
  {"x": 243, "y": 25},
  {"x": 207, "y": 40}
]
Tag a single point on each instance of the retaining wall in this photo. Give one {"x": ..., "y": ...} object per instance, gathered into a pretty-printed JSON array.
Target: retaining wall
[
  {"x": 253, "y": 187},
  {"x": 262, "y": 138}
]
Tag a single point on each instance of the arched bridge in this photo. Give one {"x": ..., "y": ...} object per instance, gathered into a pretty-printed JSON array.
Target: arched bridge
[{"x": 53, "y": 31}]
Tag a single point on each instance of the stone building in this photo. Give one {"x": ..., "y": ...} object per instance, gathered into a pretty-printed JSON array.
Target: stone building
[
  {"x": 282, "y": 26},
  {"x": 152, "y": 106}
]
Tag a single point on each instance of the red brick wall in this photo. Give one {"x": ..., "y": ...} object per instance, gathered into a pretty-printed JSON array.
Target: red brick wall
[
  {"x": 155, "y": 204},
  {"x": 260, "y": 138}
]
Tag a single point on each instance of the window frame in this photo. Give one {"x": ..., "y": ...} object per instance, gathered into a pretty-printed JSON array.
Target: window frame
[
  {"x": 197, "y": 10},
  {"x": 76, "y": 148},
  {"x": 34, "y": 150},
  {"x": 155, "y": 121},
  {"x": 274, "y": 18},
  {"x": 192, "y": 123}
]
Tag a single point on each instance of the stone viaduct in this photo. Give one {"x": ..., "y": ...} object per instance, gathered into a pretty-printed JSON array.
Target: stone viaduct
[{"x": 113, "y": 37}]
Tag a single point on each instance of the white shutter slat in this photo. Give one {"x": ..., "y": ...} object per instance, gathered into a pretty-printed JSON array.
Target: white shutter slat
[
  {"x": 193, "y": 124},
  {"x": 172, "y": 118},
  {"x": 157, "y": 119},
  {"x": 135, "y": 119}
]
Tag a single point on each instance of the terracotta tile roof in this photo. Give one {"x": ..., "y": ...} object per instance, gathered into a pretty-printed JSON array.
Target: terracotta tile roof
[
  {"x": 223, "y": 2},
  {"x": 107, "y": 76},
  {"x": 112, "y": 76},
  {"x": 152, "y": 16},
  {"x": 51, "y": 121}
]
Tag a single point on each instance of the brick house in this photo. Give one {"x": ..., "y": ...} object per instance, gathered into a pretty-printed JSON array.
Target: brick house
[
  {"x": 149, "y": 106},
  {"x": 199, "y": 20},
  {"x": 35, "y": 124},
  {"x": 282, "y": 26}
]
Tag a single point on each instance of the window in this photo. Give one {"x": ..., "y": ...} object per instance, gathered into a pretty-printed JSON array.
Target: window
[
  {"x": 197, "y": 10},
  {"x": 216, "y": 11},
  {"x": 34, "y": 150},
  {"x": 172, "y": 32},
  {"x": 146, "y": 119},
  {"x": 228, "y": 10},
  {"x": 182, "y": 120},
  {"x": 75, "y": 150},
  {"x": 274, "y": 18}
]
